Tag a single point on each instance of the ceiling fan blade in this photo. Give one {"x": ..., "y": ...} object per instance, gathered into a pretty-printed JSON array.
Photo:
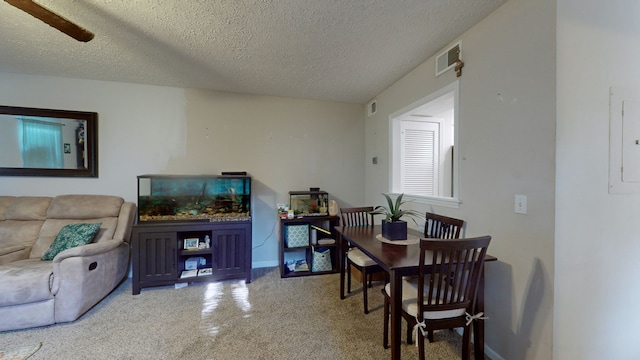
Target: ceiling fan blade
[{"x": 52, "y": 19}]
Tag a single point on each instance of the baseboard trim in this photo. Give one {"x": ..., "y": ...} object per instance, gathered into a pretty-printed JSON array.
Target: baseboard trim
[
  {"x": 264, "y": 264},
  {"x": 488, "y": 351},
  {"x": 491, "y": 353}
]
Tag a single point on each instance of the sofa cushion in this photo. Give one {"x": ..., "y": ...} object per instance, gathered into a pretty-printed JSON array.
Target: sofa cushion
[
  {"x": 9, "y": 249},
  {"x": 28, "y": 208},
  {"x": 25, "y": 281},
  {"x": 84, "y": 206},
  {"x": 11, "y": 252},
  {"x": 52, "y": 227},
  {"x": 20, "y": 232},
  {"x": 5, "y": 201},
  {"x": 70, "y": 236}
]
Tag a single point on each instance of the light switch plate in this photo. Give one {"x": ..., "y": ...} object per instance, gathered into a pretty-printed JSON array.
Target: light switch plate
[{"x": 520, "y": 204}]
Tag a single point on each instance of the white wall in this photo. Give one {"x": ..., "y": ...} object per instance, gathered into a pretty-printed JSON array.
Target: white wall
[
  {"x": 597, "y": 244},
  {"x": 284, "y": 143},
  {"x": 507, "y": 142}
]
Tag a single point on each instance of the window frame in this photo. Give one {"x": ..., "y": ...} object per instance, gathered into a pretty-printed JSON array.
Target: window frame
[{"x": 395, "y": 148}]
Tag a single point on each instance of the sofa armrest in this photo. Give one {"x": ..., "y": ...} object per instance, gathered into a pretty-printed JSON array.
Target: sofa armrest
[
  {"x": 88, "y": 250},
  {"x": 101, "y": 249}
]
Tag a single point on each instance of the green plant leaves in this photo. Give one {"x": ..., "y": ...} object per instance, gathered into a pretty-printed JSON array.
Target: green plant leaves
[{"x": 393, "y": 211}]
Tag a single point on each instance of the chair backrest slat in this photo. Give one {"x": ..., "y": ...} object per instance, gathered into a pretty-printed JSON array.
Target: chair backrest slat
[
  {"x": 453, "y": 283},
  {"x": 442, "y": 227},
  {"x": 357, "y": 216}
]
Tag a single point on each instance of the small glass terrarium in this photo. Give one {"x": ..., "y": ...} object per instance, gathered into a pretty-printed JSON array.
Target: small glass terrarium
[
  {"x": 309, "y": 203},
  {"x": 194, "y": 198}
]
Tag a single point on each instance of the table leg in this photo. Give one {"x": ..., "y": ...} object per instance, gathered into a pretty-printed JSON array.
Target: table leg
[
  {"x": 341, "y": 255},
  {"x": 478, "y": 325},
  {"x": 395, "y": 279}
]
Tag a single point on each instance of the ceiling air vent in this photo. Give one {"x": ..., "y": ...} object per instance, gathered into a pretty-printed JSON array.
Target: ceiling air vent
[
  {"x": 372, "y": 107},
  {"x": 447, "y": 59}
]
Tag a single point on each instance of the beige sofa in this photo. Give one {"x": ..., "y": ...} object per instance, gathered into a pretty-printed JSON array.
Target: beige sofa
[{"x": 35, "y": 292}]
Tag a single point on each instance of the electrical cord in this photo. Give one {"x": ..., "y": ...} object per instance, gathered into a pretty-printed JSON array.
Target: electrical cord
[{"x": 268, "y": 236}]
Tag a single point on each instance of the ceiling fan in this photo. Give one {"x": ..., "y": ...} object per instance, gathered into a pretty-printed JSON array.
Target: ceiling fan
[{"x": 53, "y": 19}]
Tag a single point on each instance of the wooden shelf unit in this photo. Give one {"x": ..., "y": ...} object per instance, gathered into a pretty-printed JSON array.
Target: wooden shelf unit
[{"x": 292, "y": 253}]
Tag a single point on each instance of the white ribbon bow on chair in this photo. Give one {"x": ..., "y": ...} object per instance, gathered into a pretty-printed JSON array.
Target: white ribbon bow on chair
[
  {"x": 478, "y": 316},
  {"x": 418, "y": 325},
  {"x": 421, "y": 325}
]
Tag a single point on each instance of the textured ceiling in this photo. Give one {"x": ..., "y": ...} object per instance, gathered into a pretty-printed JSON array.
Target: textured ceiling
[{"x": 337, "y": 50}]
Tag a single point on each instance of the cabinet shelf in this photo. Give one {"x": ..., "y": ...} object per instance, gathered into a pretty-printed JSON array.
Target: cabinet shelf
[
  {"x": 305, "y": 225},
  {"x": 304, "y": 273},
  {"x": 195, "y": 278},
  {"x": 294, "y": 249},
  {"x": 195, "y": 252},
  {"x": 287, "y": 249}
]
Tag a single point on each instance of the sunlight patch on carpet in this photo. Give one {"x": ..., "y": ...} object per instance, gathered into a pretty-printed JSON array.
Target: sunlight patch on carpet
[{"x": 20, "y": 353}]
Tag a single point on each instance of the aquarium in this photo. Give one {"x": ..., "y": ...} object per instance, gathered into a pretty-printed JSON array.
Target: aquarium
[
  {"x": 194, "y": 198},
  {"x": 309, "y": 203}
]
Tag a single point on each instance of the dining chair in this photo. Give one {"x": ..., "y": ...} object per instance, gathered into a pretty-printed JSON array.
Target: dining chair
[
  {"x": 443, "y": 296},
  {"x": 442, "y": 227},
  {"x": 437, "y": 227},
  {"x": 359, "y": 216}
]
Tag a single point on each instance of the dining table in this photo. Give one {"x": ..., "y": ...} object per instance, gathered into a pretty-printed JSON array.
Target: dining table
[{"x": 399, "y": 259}]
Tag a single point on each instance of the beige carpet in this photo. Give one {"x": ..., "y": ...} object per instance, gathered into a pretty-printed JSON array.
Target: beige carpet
[
  {"x": 270, "y": 318},
  {"x": 22, "y": 353}
]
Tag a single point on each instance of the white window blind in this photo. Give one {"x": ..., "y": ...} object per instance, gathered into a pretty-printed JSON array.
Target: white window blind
[{"x": 420, "y": 157}]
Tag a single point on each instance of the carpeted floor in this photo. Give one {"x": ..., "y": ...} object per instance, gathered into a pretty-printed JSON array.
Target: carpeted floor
[
  {"x": 270, "y": 318},
  {"x": 21, "y": 353}
]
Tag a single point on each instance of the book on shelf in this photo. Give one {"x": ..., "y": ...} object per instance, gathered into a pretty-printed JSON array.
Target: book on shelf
[
  {"x": 205, "y": 271},
  {"x": 189, "y": 273},
  {"x": 301, "y": 265}
]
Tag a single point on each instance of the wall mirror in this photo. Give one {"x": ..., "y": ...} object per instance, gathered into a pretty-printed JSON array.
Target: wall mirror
[{"x": 44, "y": 142}]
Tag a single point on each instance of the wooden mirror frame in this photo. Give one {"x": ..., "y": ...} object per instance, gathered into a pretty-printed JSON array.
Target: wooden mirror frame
[{"x": 91, "y": 137}]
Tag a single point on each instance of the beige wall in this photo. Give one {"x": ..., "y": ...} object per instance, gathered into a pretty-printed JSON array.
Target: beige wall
[
  {"x": 284, "y": 143},
  {"x": 547, "y": 270},
  {"x": 9, "y": 145},
  {"x": 597, "y": 243},
  {"x": 507, "y": 142}
]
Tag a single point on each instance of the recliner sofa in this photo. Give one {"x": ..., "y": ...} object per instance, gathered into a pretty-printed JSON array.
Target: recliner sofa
[{"x": 35, "y": 292}]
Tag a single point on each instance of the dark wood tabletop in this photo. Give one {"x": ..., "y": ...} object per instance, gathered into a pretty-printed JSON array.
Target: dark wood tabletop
[{"x": 402, "y": 258}]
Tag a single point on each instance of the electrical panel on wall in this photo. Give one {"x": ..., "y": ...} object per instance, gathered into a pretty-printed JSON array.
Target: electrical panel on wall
[{"x": 624, "y": 140}]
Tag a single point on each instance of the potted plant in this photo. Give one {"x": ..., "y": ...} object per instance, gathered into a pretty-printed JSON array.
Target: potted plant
[{"x": 392, "y": 227}]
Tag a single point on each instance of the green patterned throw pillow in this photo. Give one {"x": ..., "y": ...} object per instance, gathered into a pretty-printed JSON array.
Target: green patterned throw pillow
[{"x": 70, "y": 236}]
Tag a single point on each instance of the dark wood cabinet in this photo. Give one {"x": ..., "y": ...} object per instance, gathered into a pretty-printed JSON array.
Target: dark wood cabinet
[
  {"x": 160, "y": 257},
  {"x": 229, "y": 251},
  {"x": 157, "y": 252},
  {"x": 301, "y": 249}
]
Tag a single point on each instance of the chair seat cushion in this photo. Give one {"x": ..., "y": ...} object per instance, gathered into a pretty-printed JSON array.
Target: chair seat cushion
[
  {"x": 359, "y": 258},
  {"x": 410, "y": 301},
  {"x": 25, "y": 281}
]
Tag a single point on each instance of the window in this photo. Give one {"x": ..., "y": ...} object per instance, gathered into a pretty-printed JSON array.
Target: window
[
  {"x": 41, "y": 143},
  {"x": 423, "y": 157}
]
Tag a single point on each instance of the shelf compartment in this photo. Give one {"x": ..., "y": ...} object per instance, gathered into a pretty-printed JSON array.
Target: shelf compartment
[
  {"x": 326, "y": 223},
  {"x": 204, "y": 252}
]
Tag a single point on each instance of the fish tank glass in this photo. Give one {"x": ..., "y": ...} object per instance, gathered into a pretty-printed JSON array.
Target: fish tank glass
[
  {"x": 194, "y": 198},
  {"x": 309, "y": 203}
]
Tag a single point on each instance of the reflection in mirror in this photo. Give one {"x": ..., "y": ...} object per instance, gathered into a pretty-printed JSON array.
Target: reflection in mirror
[{"x": 41, "y": 142}]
